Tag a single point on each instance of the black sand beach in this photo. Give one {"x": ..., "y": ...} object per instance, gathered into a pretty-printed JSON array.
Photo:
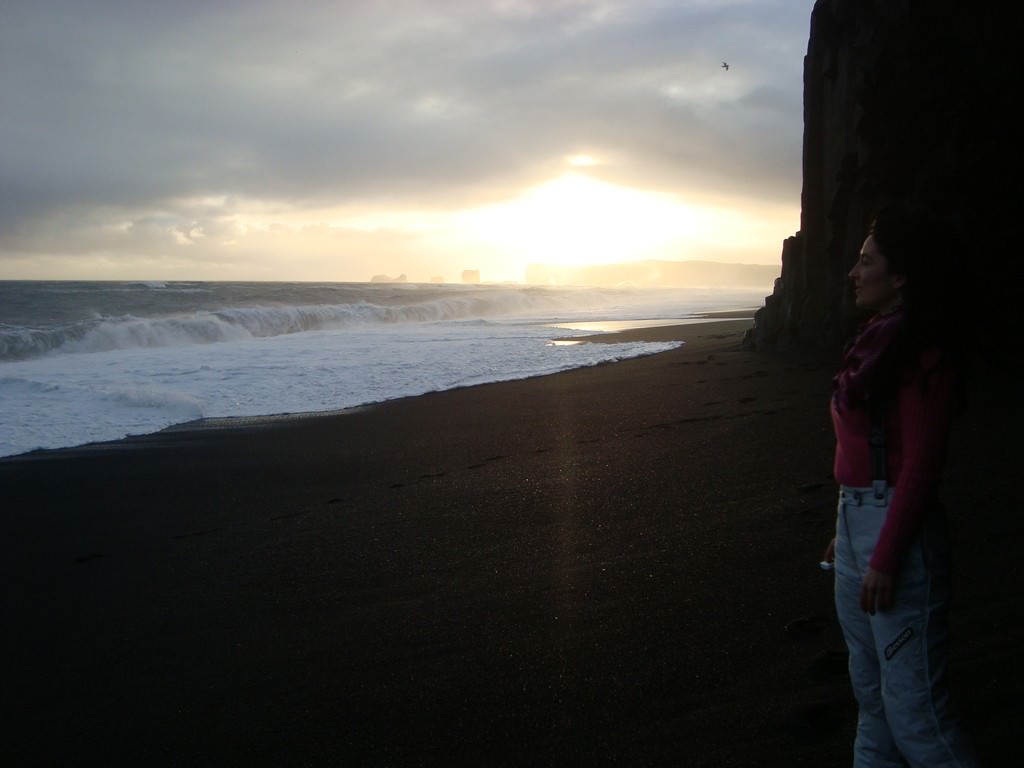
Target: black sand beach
[{"x": 610, "y": 566}]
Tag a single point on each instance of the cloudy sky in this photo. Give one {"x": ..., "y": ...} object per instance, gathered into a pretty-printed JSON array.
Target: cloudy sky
[{"x": 316, "y": 140}]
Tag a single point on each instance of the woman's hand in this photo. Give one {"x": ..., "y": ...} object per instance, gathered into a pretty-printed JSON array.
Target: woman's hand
[
  {"x": 829, "y": 555},
  {"x": 876, "y": 591}
]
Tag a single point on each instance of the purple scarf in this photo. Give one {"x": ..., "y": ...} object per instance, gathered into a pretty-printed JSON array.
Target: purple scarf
[{"x": 852, "y": 385}]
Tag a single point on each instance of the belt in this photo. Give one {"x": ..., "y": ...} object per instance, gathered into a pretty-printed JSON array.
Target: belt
[{"x": 865, "y": 497}]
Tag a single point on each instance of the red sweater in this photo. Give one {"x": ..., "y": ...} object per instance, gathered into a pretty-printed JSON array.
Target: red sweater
[{"x": 917, "y": 433}]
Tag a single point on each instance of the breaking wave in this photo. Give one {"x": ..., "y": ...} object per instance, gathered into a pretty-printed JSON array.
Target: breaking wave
[{"x": 103, "y": 334}]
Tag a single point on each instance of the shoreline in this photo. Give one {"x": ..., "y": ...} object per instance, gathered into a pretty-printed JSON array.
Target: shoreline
[
  {"x": 664, "y": 330},
  {"x": 604, "y": 566},
  {"x": 153, "y": 358}
]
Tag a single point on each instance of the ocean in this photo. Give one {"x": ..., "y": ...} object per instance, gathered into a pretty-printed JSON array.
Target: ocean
[{"x": 83, "y": 362}]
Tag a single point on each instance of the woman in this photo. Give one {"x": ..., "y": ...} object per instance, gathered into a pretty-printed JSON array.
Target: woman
[{"x": 893, "y": 402}]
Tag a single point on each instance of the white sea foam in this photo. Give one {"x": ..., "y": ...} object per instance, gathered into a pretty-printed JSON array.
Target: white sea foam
[
  {"x": 158, "y": 398},
  {"x": 118, "y": 373}
]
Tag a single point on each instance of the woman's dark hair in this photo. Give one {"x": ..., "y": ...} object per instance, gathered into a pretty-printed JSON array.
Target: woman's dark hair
[{"x": 928, "y": 251}]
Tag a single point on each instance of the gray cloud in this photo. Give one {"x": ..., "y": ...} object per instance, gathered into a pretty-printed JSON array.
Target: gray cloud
[{"x": 131, "y": 106}]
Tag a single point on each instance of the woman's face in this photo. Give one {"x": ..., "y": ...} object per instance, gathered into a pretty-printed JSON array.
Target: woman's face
[{"x": 876, "y": 288}]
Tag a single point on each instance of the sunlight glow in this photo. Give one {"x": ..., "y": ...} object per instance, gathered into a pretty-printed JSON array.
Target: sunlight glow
[
  {"x": 570, "y": 220},
  {"x": 575, "y": 220},
  {"x": 582, "y": 161}
]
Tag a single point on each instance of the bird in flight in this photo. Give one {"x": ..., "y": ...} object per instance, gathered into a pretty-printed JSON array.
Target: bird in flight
[{"x": 725, "y": 66}]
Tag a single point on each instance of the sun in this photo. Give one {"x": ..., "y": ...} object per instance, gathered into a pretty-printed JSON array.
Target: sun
[{"x": 575, "y": 220}]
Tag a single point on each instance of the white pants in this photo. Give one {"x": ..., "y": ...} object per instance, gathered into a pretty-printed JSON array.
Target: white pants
[{"x": 898, "y": 658}]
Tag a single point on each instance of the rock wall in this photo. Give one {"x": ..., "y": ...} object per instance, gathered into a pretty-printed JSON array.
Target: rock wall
[{"x": 903, "y": 99}]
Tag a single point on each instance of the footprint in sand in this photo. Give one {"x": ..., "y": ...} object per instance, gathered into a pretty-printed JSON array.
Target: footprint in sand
[
  {"x": 90, "y": 556},
  {"x": 489, "y": 459},
  {"x": 807, "y": 626},
  {"x": 195, "y": 534},
  {"x": 830, "y": 664},
  {"x": 810, "y": 722},
  {"x": 287, "y": 516}
]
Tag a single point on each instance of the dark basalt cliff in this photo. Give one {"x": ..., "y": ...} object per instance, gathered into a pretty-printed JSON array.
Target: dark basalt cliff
[{"x": 903, "y": 99}]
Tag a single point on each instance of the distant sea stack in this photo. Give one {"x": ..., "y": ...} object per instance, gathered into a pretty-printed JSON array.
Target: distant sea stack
[
  {"x": 654, "y": 273},
  {"x": 386, "y": 279},
  {"x": 916, "y": 99},
  {"x": 471, "y": 276}
]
